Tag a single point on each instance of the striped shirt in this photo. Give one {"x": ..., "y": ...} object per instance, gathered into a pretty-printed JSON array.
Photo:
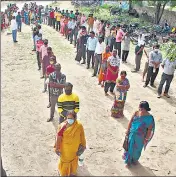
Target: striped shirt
[
  {"x": 67, "y": 103},
  {"x": 61, "y": 80}
]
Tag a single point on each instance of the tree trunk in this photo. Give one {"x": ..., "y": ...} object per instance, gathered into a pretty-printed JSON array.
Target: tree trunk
[
  {"x": 159, "y": 11},
  {"x": 130, "y": 4}
]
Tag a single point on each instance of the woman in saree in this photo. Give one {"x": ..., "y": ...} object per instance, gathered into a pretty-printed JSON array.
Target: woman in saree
[
  {"x": 122, "y": 86},
  {"x": 70, "y": 144},
  {"x": 113, "y": 64},
  {"x": 102, "y": 73},
  {"x": 62, "y": 25},
  {"x": 66, "y": 26},
  {"x": 140, "y": 131}
]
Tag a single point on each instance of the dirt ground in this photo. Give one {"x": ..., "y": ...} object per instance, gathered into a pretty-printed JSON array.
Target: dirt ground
[{"x": 27, "y": 139}]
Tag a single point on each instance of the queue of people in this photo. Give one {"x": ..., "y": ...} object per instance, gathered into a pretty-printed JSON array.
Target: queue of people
[
  {"x": 98, "y": 46},
  {"x": 106, "y": 63}
]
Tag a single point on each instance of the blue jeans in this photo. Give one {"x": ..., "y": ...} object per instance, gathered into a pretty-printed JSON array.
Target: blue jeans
[
  {"x": 14, "y": 35},
  {"x": 19, "y": 26}
]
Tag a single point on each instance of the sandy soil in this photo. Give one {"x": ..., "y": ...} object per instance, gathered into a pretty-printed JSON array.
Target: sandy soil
[{"x": 27, "y": 139}]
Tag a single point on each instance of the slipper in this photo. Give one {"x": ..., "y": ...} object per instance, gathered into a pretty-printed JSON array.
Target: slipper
[{"x": 49, "y": 120}]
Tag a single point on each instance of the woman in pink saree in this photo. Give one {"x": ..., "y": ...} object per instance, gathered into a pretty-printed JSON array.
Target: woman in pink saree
[
  {"x": 113, "y": 64},
  {"x": 62, "y": 25}
]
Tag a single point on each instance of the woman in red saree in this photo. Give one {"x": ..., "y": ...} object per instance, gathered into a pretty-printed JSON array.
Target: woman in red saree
[
  {"x": 102, "y": 73},
  {"x": 113, "y": 64},
  {"x": 62, "y": 25}
]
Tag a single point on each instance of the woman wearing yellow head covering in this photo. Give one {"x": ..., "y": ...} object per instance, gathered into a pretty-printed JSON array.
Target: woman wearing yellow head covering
[{"x": 70, "y": 143}]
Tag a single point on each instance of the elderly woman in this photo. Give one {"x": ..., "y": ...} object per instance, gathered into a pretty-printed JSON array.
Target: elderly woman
[
  {"x": 122, "y": 86},
  {"x": 113, "y": 64},
  {"x": 140, "y": 131},
  {"x": 102, "y": 73},
  {"x": 70, "y": 143}
]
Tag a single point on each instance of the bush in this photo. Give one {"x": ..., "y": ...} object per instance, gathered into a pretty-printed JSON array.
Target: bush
[{"x": 169, "y": 50}]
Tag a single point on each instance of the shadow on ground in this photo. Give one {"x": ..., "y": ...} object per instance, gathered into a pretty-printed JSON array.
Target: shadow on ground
[
  {"x": 139, "y": 170},
  {"x": 83, "y": 171}
]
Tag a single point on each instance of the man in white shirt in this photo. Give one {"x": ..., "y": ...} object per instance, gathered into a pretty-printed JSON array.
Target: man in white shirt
[
  {"x": 72, "y": 30},
  {"x": 15, "y": 13},
  {"x": 70, "y": 26},
  {"x": 91, "y": 46},
  {"x": 108, "y": 34},
  {"x": 96, "y": 26},
  {"x": 14, "y": 29},
  {"x": 100, "y": 48},
  {"x": 155, "y": 59},
  {"x": 169, "y": 67}
]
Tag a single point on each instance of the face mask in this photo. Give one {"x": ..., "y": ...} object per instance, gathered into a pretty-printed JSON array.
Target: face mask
[
  {"x": 107, "y": 51},
  {"x": 70, "y": 121},
  {"x": 156, "y": 50},
  {"x": 68, "y": 92}
]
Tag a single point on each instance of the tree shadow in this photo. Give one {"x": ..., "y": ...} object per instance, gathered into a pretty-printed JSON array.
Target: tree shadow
[
  {"x": 171, "y": 100},
  {"x": 139, "y": 170},
  {"x": 83, "y": 171}
]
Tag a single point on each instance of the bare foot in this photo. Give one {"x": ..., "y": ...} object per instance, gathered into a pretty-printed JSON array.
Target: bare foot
[
  {"x": 135, "y": 163},
  {"x": 128, "y": 165}
]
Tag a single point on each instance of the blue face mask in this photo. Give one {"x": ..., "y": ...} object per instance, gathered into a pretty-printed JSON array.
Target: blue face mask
[{"x": 70, "y": 121}]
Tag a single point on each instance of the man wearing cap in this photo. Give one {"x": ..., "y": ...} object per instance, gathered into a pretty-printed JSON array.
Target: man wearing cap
[
  {"x": 91, "y": 46},
  {"x": 67, "y": 101},
  {"x": 56, "y": 83}
]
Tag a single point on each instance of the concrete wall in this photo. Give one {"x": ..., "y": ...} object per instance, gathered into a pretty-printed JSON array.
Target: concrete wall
[{"x": 170, "y": 16}]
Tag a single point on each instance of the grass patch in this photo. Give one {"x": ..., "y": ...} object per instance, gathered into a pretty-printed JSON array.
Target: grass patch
[{"x": 103, "y": 13}]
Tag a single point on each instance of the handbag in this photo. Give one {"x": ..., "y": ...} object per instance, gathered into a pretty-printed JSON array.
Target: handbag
[
  {"x": 125, "y": 143},
  {"x": 80, "y": 151}
]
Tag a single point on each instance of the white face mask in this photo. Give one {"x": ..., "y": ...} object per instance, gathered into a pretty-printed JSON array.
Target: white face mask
[
  {"x": 156, "y": 50},
  {"x": 70, "y": 121}
]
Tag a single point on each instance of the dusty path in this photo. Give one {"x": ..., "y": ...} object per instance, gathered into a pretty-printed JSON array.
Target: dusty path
[{"x": 27, "y": 138}]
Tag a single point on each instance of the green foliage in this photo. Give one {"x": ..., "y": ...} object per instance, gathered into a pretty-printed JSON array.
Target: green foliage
[
  {"x": 170, "y": 50},
  {"x": 105, "y": 6}
]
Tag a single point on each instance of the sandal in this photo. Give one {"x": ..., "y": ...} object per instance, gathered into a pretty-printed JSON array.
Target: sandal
[
  {"x": 49, "y": 120},
  {"x": 49, "y": 105},
  {"x": 166, "y": 95}
]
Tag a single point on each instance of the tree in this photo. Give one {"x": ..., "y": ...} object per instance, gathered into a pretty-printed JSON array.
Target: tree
[{"x": 160, "y": 6}]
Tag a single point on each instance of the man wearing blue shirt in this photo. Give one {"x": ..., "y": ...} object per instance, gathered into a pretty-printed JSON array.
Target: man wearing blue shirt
[
  {"x": 91, "y": 45},
  {"x": 19, "y": 22}
]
